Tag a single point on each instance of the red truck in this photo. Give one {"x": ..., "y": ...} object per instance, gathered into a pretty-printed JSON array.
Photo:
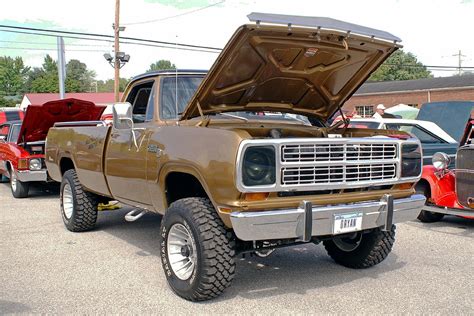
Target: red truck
[
  {"x": 22, "y": 143},
  {"x": 450, "y": 191}
]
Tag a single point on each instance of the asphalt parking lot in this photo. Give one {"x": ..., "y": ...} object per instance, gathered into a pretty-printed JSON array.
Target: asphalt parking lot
[{"x": 116, "y": 269}]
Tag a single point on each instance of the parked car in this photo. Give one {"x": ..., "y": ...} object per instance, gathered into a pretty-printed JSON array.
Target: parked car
[
  {"x": 450, "y": 191},
  {"x": 22, "y": 143},
  {"x": 11, "y": 114},
  {"x": 431, "y": 136},
  {"x": 183, "y": 144}
]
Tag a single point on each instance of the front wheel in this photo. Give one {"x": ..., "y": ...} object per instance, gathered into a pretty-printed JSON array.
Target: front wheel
[
  {"x": 197, "y": 251},
  {"x": 19, "y": 189},
  {"x": 78, "y": 207},
  {"x": 427, "y": 216},
  {"x": 362, "y": 250}
]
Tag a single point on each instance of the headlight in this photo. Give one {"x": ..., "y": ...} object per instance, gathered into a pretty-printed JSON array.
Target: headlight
[
  {"x": 411, "y": 160},
  {"x": 441, "y": 161},
  {"x": 35, "y": 164},
  {"x": 258, "y": 167}
]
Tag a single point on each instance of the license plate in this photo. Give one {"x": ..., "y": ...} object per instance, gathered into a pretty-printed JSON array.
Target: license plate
[{"x": 346, "y": 223}]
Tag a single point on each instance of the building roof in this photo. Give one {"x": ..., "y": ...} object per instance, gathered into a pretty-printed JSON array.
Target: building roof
[
  {"x": 414, "y": 85},
  {"x": 98, "y": 98}
]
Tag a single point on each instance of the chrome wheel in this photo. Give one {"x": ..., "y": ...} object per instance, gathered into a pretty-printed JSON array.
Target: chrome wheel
[
  {"x": 68, "y": 202},
  {"x": 182, "y": 254},
  {"x": 348, "y": 244},
  {"x": 13, "y": 180}
]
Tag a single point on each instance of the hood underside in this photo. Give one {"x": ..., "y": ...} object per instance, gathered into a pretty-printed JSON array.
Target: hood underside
[
  {"x": 304, "y": 70},
  {"x": 40, "y": 118}
]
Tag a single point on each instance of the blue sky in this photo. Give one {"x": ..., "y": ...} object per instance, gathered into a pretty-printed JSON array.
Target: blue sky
[{"x": 432, "y": 30}]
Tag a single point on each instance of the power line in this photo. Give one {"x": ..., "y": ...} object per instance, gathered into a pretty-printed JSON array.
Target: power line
[
  {"x": 175, "y": 16},
  {"x": 109, "y": 41},
  {"x": 50, "y": 44},
  {"x": 108, "y": 36}
]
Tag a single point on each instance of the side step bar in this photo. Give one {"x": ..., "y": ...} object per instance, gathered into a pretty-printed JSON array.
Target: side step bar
[
  {"x": 135, "y": 214},
  {"x": 449, "y": 211}
]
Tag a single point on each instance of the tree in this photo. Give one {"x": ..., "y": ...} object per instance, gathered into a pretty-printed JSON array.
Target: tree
[
  {"x": 78, "y": 77},
  {"x": 161, "y": 65},
  {"x": 13, "y": 74},
  {"x": 45, "y": 79},
  {"x": 401, "y": 66},
  {"x": 108, "y": 85}
]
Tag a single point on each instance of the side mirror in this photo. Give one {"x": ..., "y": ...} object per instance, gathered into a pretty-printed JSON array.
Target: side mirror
[{"x": 122, "y": 115}]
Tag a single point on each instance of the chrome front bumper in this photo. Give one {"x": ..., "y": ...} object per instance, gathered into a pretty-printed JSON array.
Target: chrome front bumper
[
  {"x": 308, "y": 220},
  {"x": 30, "y": 176}
]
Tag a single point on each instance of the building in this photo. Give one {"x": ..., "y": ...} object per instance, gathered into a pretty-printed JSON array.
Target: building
[
  {"x": 411, "y": 92},
  {"x": 100, "y": 98}
]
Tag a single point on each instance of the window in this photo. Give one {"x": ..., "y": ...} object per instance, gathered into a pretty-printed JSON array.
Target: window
[
  {"x": 424, "y": 136},
  {"x": 15, "y": 132},
  {"x": 357, "y": 124},
  {"x": 187, "y": 86},
  {"x": 4, "y": 132},
  {"x": 413, "y": 105},
  {"x": 365, "y": 110},
  {"x": 139, "y": 99}
]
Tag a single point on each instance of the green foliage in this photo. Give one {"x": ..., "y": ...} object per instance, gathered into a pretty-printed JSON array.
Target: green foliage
[
  {"x": 401, "y": 66},
  {"x": 108, "y": 85},
  {"x": 13, "y": 74},
  {"x": 161, "y": 65}
]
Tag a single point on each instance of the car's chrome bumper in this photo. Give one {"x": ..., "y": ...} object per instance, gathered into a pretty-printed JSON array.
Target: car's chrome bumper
[
  {"x": 30, "y": 175},
  {"x": 308, "y": 220}
]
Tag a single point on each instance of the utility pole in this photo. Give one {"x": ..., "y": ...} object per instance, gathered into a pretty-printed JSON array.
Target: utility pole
[
  {"x": 61, "y": 66},
  {"x": 460, "y": 60},
  {"x": 116, "y": 49}
]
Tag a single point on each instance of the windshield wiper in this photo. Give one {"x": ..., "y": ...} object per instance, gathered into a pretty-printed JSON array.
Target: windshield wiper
[{"x": 235, "y": 116}]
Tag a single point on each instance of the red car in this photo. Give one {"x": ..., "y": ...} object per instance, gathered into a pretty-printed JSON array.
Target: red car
[
  {"x": 22, "y": 143},
  {"x": 450, "y": 191}
]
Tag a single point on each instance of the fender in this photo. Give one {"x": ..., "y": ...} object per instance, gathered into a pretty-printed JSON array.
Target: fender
[{"x": 443, "y": 192}]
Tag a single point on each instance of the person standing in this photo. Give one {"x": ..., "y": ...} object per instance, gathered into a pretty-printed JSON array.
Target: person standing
[{"x": 379, "y": 111}]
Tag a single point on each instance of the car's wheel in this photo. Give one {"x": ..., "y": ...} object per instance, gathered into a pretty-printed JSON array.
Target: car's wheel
[
  {"x": 426, "y": 216},
  {"x": 362, "y": 250},
  {"x": 19, "y": 189},
  {"x": 197, "y": 251},
  {"x": 78, "y": 207}
]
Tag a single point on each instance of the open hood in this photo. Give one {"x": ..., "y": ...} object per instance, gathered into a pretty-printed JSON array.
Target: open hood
[
  {"x": 308, "y": 66},
  {"x": 40, "y": 118}
]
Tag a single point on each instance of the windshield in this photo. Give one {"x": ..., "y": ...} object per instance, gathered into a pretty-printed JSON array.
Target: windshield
[
  {"x": 187, "y": 86},
  {"x": 15, "y": 131},
  {"x": 267, "y": 116}
]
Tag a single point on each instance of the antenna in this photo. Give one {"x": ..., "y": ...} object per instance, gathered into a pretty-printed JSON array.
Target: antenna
[{"x": 176, "y": 87}]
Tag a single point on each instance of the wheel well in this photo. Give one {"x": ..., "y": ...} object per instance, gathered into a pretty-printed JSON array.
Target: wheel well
[
  {"x": 182, "y": 185},
  {"x": 65, "y": 165},
  {"x": 423, "y": 186}
]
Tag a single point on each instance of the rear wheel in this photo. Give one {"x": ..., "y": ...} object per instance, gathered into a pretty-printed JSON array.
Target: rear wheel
[
  {"x": 361, "y": 250},
  {"x": 78, "y": 207},
  {"x": 19, "y": 189},
  {"x": 426, "y": 216},
  {"x": 197, "y": 251}
]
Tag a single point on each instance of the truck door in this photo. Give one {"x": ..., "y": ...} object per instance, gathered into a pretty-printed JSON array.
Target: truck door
[{"x": 125, "y": 162}]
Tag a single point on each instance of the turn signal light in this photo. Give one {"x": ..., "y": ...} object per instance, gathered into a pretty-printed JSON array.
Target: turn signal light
[
  {"x": 404, "y": 186},
  {"x": 22, "y": 163},
  {"x": 259, "y": 196}
]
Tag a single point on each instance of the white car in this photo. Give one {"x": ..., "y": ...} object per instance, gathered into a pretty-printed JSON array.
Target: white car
[{"x": 432, "y": 137}]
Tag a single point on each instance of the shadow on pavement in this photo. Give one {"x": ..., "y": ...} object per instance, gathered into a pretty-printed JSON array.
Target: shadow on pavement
[
  {"x": 7, "y": 307},
  {"x": 289, "y": 270},
  {"x": 39, "y": 190},
  {"x": 452, "y": 225}
]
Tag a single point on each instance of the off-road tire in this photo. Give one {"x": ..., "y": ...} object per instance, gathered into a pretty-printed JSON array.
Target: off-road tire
[
  {"x": 21, "y": 188},
  {"x": 84, "y": 213},
  {"x": 373, "y": 248},
  {"x": 426, "y": 216},
  {"x": 215, "y": 266}
]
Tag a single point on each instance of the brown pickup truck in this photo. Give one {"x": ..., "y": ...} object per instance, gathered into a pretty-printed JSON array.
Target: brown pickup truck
[{"x": 240, "y": 159}]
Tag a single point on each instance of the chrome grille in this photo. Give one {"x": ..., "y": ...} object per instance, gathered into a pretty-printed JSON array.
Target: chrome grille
[
  {"x": 337, "y": 174},
  {"x": 337, "y": 152}
]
